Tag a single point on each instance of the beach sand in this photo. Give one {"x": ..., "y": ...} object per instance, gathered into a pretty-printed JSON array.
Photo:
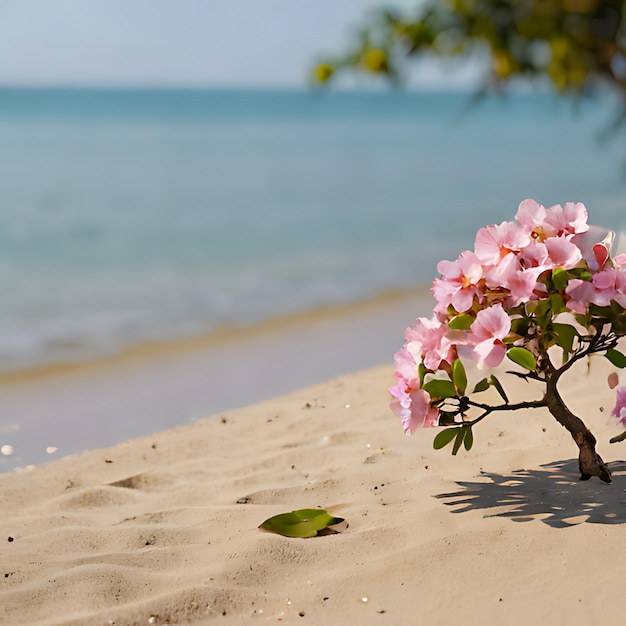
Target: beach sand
[{"x": 164, "y": 528}]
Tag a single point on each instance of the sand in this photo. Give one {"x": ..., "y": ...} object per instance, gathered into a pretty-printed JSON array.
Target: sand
[{"x": 164, "y": 528}]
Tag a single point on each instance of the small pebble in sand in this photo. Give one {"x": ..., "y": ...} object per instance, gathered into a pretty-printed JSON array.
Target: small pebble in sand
[
  {"x": 347, "y": 406},
  {"x": 364, "y": 599}
]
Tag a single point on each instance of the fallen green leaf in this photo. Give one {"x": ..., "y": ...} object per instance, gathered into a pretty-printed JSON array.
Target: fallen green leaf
[{"x": 302, "y": 523}]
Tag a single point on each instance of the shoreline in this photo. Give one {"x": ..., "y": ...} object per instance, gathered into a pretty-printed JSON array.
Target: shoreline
[
  {"x": 151, "y": 387},
  {"x": 223, "y": 336}
]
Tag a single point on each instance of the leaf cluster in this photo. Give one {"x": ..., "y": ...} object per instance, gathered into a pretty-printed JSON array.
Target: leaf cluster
[{"x": 575, "y": 44}]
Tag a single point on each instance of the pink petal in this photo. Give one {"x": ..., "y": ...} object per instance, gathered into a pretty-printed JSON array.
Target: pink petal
[
  {"x": 563, "y": 252},
  {"x": 490, "y": 352},
  {"x": 530, "y": 214},
  {"x": 449, "y": 269},
  {"x": 587, "y": 240},
  {"x": 601, "y": 254},
  {"x": 492, "y": 322}
]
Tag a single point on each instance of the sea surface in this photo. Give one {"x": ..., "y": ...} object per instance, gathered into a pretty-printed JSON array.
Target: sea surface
[{"x": 131, "y": 216}]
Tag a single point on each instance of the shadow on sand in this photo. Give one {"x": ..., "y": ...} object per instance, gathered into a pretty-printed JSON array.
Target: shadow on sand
[{"x": 552, "y": 493}]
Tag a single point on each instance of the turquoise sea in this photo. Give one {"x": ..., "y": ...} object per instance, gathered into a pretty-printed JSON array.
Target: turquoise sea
[{"x": 128, "y": 216}]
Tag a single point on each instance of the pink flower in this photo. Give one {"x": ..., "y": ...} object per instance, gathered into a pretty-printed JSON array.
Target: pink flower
[
  {"x": 601, "y": 253},
  {"x": 579, "y": 293},
  {"x": 427, "y": 340},
  {"x": 610, "y": 284},
  {"x": 620, "y": 261},
  {"x": 409, "y": 402},
  {"x": 552, "y": 252},
  {"x": 494, "y": 242},
  {"x": 459, "y": 284},
  {"x": 535, "y": 255},
  {"x": 406, "y": 365},
  {"x": 519, "y": 282},
  {"x": 531, "y": 216},
  {"x": 488, "y": 331},
  {"x": 563, "y": 253},
  {"x": 412, "y": 405},
  {"x": 595, "y": 246},
  {"x": 620, "y": 405},
  {"x": 568, "y": 220}
]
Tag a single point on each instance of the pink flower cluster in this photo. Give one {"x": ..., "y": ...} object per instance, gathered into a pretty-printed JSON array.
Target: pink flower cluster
[
  {"x": 607, "y": 284},
  {"x": 509, "y": 258},
  {"x": 507, "y": 267}
]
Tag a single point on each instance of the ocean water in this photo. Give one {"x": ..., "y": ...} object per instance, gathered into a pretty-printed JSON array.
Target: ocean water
[{"x": 132, "y": 216}]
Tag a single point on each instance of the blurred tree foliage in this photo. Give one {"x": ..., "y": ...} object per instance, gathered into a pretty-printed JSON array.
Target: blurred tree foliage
[{"x": 576, "y": 44}]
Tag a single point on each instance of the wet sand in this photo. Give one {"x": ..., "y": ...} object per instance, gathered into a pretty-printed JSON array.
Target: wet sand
[{"x": 71, "y": 408}]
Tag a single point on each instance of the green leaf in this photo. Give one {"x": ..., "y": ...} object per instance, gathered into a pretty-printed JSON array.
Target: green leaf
[
  {"x": 616, "y": 357},
  {"x": 618, "y": 438},
  {"x": 438, "y": 388},
  {"x": 600, "y": 311},
  {"x": 422, "y": 371},
  {"x": 481, "y": 385},
  {"x": 461, "y": 322},
  {"x": 499, "y": 388},
  {"x": 446, "y": 418},
  {"x": 522, "y": 357},
  {"x": 565, "y": 335},
  {"x": 519, "y": 326},
  {"x": 301, "y": 523},
  {"x": 537, "y": 307},
  {"x": 583, "y": 320},
  {"x": 468, "y": 442},
  {"x": 543, "y": 310},
  {"x": 560, "y": 278},
  {"x": 444, "y": 438},
  {"x": 557, "y": 303},
  {"x": 459, "y": 377},
  {"x": 582, "y": 273},
  {"x": 458, "y": 441}
]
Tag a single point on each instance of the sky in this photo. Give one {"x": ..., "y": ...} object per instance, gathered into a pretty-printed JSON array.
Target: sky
[{"x": 184, "y": 43}]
